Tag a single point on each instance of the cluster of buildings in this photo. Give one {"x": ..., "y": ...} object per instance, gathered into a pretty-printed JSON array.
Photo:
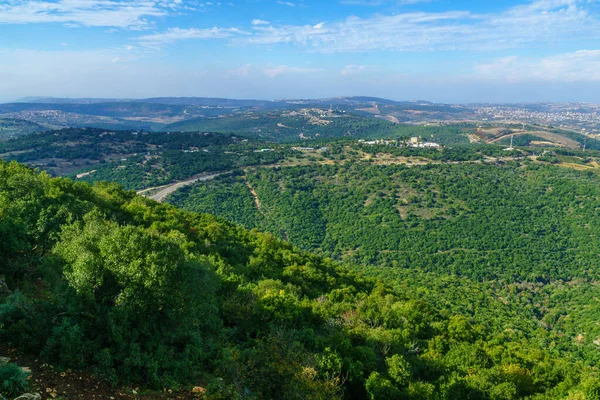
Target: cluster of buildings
[
  {"x": 322, "y": 149},
  {"x": 319, "y": 112},
  {"x": 565, "y": 116},
  {"x": 416, "y": 141}
]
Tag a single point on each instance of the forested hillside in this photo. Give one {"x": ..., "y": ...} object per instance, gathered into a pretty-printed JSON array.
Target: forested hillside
[
  {"x": 526, "y": 222},
  {"x": 139, "y": 293},
  {"x": 515, "y": 245},
  {"x": 316, "y": 123}
]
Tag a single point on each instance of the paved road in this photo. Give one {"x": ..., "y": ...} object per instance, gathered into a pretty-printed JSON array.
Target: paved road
[{"x": 167, "y": 190}]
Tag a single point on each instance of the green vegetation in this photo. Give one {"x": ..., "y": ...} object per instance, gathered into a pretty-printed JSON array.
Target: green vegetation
[
  {"x": 447, "y": 218},
  {"x": 144, "y": 293},
  {"x": 139, "y": 159},
  {"x": 291, "y": 127},
  {"x": 11, "y": 128},
  {"x": 135, "y": 159},
  {"x": 513, "y": 245},
  {"x": 13, "y": 381},
  {"x": 318, "y": 124}
]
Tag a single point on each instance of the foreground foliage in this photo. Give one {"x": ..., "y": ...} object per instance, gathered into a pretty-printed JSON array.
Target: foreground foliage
[
  {"x": 99, "y": 278},
  {"x": 13, "y": 381}
]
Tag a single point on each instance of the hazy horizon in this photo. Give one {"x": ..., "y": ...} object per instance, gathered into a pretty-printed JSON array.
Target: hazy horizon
[{"x": 47, "y": 99}]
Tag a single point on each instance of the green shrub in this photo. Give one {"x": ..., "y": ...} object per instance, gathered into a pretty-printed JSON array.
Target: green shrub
[
  {"x": 13, "y": 381},
  {"x": 141, "y": 296}
]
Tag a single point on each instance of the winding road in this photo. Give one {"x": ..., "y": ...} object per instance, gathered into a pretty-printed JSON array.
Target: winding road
[{"x": 168, "y": 189}]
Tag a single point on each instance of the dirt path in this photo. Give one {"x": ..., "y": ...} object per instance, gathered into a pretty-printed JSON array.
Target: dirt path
[
  {"x": 258, "y": 208},
  {"x": 168, "y": 189},
  {"x": 255, "y": 197}
]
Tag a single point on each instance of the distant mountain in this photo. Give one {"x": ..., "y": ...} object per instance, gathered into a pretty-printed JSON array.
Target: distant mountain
[
  {"x": 179, "y": 101},
  {"x": 219, "y": 102},
  {"x": 209, "y": 102},
  {"x": 67, "y": 100},
  {"x": 174, "y": 113}
]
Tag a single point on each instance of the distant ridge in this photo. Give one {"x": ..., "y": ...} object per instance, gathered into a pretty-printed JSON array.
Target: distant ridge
[
  {"x": 218, "y": 101},
  {"x": 68, "y": 100},
  {"x": 206, "y": 101}
]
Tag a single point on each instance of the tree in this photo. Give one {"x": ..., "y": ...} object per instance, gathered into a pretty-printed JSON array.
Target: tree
[
  {"x": 398, "y": 370},
  {"x": 151, "y": 303},
  {"x": 380, "y": 388}
]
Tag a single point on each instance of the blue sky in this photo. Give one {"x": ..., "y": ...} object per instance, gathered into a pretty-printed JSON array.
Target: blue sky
[{"x": 439, "y": 50}]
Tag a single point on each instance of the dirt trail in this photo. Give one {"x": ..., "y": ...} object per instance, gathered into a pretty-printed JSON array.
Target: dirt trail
[
  {"x": 258, "y": 208},
  {"x": 255, "y": 197}
]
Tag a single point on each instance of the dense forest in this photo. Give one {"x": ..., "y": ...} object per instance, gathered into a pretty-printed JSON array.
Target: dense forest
[
  {"x": 523, "y": 221},
  {"x": 140, "y": 293},
  {"x": 514, "y": 245}
]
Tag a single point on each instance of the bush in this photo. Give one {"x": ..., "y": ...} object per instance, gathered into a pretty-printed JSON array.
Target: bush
[
  {"x": 140, "y": 299},
  {"x": 13, "y": 381},
  {"x": 13, "y": 317}
]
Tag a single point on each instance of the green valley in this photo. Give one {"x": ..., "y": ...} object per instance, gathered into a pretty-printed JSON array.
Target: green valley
[{"x": 521, "y": 235}]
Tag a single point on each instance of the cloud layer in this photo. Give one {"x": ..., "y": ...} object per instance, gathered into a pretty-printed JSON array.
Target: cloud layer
[
  {"x": 539, "y": 21},
  {"x": 175, "y": 34},
  {"x": 104, "y": 13},
  {"x": 578, "y": 66},
  {"x": 537, "y": 45}
]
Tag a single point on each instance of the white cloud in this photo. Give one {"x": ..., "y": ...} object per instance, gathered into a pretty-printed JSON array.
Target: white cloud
[
  {"x": 242, "y": 71},
  {"x": 352, "y": 69},
  {"x": 131, "y": 14},
  {"x": 260, "y": 22},
  {"x": 579, "y": 66},
  {"x": 176, "y": 34},
  {"x": 374, "y": 3},
  {"x": 273, "y": 72},
  {"x": 538, "y": 21}
]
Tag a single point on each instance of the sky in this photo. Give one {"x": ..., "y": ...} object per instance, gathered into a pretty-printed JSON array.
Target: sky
[{"x": 454, "y": 51}]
